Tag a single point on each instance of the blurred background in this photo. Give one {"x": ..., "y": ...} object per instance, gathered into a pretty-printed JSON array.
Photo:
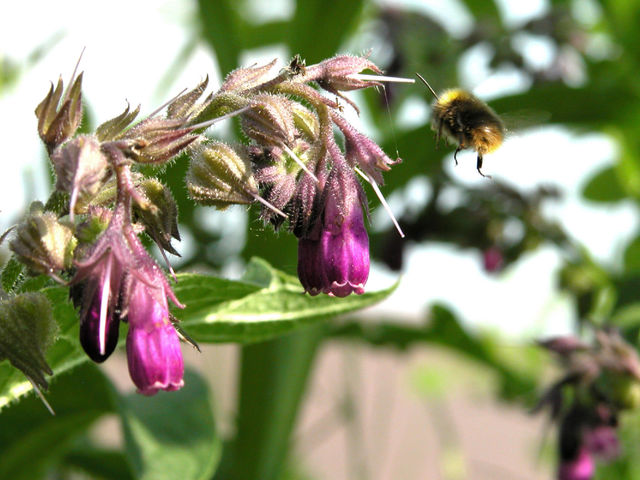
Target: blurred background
[{"x": 436, "y": 381}]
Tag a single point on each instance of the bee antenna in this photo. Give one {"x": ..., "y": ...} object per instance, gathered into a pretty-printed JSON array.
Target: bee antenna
[{"x": 428, "y": 86}]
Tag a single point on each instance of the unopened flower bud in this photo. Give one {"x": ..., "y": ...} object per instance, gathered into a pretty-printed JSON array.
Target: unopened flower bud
[
  {"x": 221, "y": 176},
  {"x": 94, "y": 224},
  {"x": 305, "y": 121},
  {"x": 277, "y": 173},
  {"x": 363, "y": 152},
  {"x": 59, "y": 115},
  {"x": 27, "y": 329},
  {"x": 624, "y": 390},
  {"x": 112, "y": 129},
  {"x": 336, "y": 74},
  {"x": 270, "y": 121},
  {"x": 43, "y": 243},
  {"x": 565, "y": 345},
  {"x": 246, "y": 78},
  {"x": 81, "y": 170},
  {"x": 158, "y": 140},
  {"x": 304, "y": 206},
  {"x": 159, "y": 214},
  {"x": 185, "y": 106}
]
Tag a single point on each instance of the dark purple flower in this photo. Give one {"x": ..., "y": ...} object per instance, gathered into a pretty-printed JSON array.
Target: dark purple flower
[
  {"x": 99, "y": 322},
  {"x": 580, "y": 468},
  {"x": 334, "y": 259},
  {"x": 153, "y": 346},
  {"x": 97, "y": 291}
]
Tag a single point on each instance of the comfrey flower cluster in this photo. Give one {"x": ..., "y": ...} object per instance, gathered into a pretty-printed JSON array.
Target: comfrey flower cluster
[
  {"x": 302, "y": 173},
  {"x": 600, "y": 381},
  {"x": 87, "y": 236},
  {"x": 87, "y": 233}
]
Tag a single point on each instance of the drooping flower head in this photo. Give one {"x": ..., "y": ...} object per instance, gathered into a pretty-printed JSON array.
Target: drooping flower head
[
  {"x": 153, "y": 346},
  {"x": 603, "y": 380},
  {"x": 334, "y": 257}
]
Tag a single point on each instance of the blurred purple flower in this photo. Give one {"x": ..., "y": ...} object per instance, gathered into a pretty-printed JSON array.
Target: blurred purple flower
[
  {"x": 492, "y": 259},
  {"x": 602, "y": 441},
  {"x": 580, "y": 468}
]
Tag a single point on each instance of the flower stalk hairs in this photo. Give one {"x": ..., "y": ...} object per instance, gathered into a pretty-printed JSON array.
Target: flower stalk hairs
[{"x": 87, "y": 235}]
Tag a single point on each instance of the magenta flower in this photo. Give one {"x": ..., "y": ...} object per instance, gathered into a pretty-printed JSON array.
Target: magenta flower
[
  {"x": 580, "y": 468},
  {"x": 153, "y": 346},
  {"x": 602, "y": 441},
  {"x": 334, "y": 258},
  {"x": 119, "y": 281},
  {"x": 492, "y": 259}
]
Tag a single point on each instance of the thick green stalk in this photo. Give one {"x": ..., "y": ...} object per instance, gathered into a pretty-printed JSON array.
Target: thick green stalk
[{"x": 273, "y": 379}]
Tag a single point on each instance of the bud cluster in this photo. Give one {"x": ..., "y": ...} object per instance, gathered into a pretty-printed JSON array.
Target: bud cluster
[
  {"x": 87, "y": 235},
  {"x": 600, "y": 381}
]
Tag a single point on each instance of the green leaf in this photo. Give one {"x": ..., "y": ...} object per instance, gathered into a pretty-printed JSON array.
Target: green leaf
[
  {"x": 262, "y": 34},
  {"x": 268, "y": 303},
  {"x": 172, "y": 434},
  {"x": 222, "y": 30},
  {"x": 256, "y": 313},
  {"x": 12, "y": 274},
  {"x": 332, "y": 20},
  {"x": 98, "y": 463},
  {"x": 483, "y": 10},
  {"x": 32, "y": 440},
  {"x": 627, "y": 316},
  {"x": 632, "y": 256},
  {"x": 604, "y": 187},
  {"x": 592, "y": 106}
]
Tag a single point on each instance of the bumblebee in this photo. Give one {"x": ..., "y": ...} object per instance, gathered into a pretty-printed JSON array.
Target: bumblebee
[{"x": 466, "y": 121}]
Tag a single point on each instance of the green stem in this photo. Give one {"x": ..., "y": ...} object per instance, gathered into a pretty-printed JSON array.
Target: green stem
[{"x": 273, "y": 378}]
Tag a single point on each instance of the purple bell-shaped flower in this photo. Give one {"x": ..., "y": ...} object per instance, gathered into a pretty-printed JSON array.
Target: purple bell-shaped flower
[{"x": 334, "y": 257}]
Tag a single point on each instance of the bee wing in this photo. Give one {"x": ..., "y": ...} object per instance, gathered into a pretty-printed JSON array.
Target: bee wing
[{"x": 518, "y": 120}]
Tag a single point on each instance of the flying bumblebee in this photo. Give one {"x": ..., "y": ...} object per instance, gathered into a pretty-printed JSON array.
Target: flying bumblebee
[{"x": 467, "y": 121}]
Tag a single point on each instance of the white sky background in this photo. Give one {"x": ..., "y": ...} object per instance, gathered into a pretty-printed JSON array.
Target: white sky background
[{"x": 129, "y": 47}]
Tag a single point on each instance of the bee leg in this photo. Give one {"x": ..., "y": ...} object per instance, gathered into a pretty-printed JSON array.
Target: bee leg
[
  {"x": 479, "y": 166},
  {"x": 455, "y": 154},
  {"x": 438, "y": 134}
]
